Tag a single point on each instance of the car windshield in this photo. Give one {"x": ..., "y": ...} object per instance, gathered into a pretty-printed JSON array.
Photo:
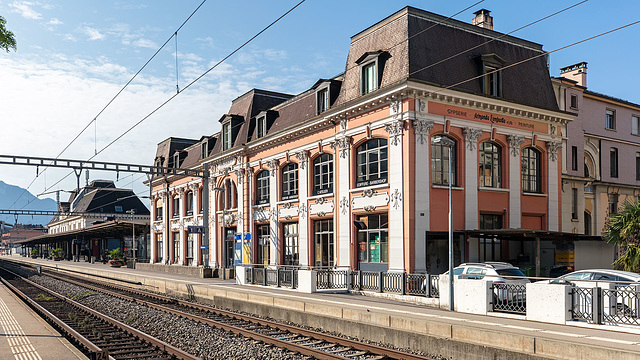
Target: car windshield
[
  {"x": 510, "y": 272},
  {"x": 578, "y": 276}
]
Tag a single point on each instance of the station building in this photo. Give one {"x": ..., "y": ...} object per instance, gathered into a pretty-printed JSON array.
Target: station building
[{"x": 354, "y": 173}]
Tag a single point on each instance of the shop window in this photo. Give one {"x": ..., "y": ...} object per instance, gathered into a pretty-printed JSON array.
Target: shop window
[
  {"x": 291, "y": 244},
  {"x": 371, "y": 163},
  {"x": 263, "y": 248},
  {"x": 373, "y": 238},
  {"x": 323, "y": 241}
]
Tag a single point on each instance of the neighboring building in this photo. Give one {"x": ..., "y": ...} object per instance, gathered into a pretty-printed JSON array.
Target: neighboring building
[
  {"x": 353, "y": 173},
  {"x": 602, "y": 170},
  {"x": 18, "y": 233},
  {"x": 96, "y": 219}
]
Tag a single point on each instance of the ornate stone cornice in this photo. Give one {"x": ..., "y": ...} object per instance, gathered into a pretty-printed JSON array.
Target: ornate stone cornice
[
  {"x": 471, "y": 136},
  {"x": 395, "y": 129},
  {"x": 341, "y": 145},
  {"x": 514, "y": 144},
  {"x": 421, "y": 128},
  {"x": 552, "y": 149}
]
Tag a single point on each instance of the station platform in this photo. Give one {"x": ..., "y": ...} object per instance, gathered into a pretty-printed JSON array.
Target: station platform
[
  {"x": 26, "y": 336},
  {"x": 403, "y": 324}
]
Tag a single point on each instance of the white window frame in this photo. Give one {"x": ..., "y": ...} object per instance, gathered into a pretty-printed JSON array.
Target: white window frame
[
  {"x": 369, "y": 79},
  {"x": 290, "y": 181},
  {"x": 261, "y": 127},
  {"x": 635, "y": 124},
  {"x": 322, "y": 100},
  {"x": 321, "y": 187},
  {"x": 365, "y": 177},
  {"x": 610, "y": 119},
  {"x": 262, "y": 187},
  {"x": 226, "y": 135}
]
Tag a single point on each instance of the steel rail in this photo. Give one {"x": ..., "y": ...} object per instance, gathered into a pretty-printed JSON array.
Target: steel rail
[
  {"x": 355, "y": 345},
  {"x": 96, "y": 353},
  {"x": 172, "y": 350}
]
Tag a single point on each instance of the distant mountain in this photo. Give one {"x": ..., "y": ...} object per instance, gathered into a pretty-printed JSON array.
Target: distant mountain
[{"x": 9, "y": 193}]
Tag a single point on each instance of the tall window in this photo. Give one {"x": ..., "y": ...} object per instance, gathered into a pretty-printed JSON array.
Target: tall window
[
  {"x": 587, "y": 223},
  {"x": 610, "y": 119},
  {"x": 226, "y": 136},
  {"x": 322, "y": 100},
  {"x": 323, "y": 174},
  {"x": 190, "y": 246},
  {"x": 574, "y": 158},
  {"x": 264, "y": 248},
  {"x": 176, "y": 159},
  {"x": 262, "y": 126},
  {"x": 492, "y": 81},
  {"x": 574, "y": 101},
  {"x": 290, "y": 181},
  {"x": 635, "y": 124},
  {"x": 159, "y": 249},
  {"x": 159, "y": 210},
  {"x": 369, "y": 78},
  {"x": 176, "y": 246},
  {"x": 440, "y": 162},
  {"x": 176, "y": 207},
  {"x": 613, "y": 162},
  {"x": 291, "y": 244},
  {"x": 491, "y": 247},
  {"x": 531, "y": 179},
  {"x": 574, "y": 203},
  {"x": 613, "y": 203},
  {"x": 372, "y": 167},
  {"x": 490, "y": 164},
  {"x": 323, "y": 240},
  {"x": 373, "y": 239},
  {"x": 263, "y": 187},
  {"x": 189, "y": 204},
  {"x": 229, "y": 199},
  {"x": 204, "y": 149},
  {"x": 637, "y": 166}
]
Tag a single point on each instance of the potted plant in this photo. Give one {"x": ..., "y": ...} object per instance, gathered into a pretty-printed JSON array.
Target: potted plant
[
  {"x": 116, "y": 258},
  {"x": 34, "y": 253},
  {"x": 57, "y": 254}
]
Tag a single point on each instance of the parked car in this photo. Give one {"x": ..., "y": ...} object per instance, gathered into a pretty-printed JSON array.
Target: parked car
[
  {"x": 559, "y": 270},
  {"x": 497, "y": 273},
  {"x": 624, "y": 277}
]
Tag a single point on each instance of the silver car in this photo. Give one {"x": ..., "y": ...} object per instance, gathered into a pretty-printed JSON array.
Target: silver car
[{"x": 509, "y": 281}]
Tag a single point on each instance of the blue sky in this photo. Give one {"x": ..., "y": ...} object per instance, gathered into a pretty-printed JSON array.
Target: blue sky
[{"x": 73, "y": 56}]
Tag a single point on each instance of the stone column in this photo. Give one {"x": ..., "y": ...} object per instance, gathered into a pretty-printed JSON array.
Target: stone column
[
  {"x": 303, "y": 193},
  {"x": 515, "y": 181},
  {"x": 553, "y": 148},
  {"x": 181, "y": 233},
  {"x": 273, "y": 199},
  {"x": 396, "y": 208},
  {"x": 471, "y": 177},
  {"x": 241, "y": 210},
  {"x": 166, "y": 226},
  {"x": 421, "y": 183},
  {"x": 341, "y": 147}
]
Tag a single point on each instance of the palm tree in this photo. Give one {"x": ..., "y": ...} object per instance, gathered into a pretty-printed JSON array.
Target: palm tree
[
  {"x": 7, "y": 40},
  {"x": 623, "y": 229}
]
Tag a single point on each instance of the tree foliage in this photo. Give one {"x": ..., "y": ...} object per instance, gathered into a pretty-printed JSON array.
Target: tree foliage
[
  {"x": 623, "y": 229},
  {"x": 7, "y": 40}
]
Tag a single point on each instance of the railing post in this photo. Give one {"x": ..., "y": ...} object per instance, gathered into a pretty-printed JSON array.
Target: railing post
[
  {"x": 264, "y": 276},
  {"x": 596, "y": 305},
  {"x": 380, "y": 284},
  {"x": 359, "y": 279},
  {"x": 278, "y": 277},
  {"x": 404, "y": 283},
  {"x": 349, "y": 272},
  {"x": 427, "y": 290}
]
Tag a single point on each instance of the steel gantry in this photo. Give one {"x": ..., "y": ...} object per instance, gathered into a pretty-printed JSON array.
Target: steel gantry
[{"x": 79, "y": 165}]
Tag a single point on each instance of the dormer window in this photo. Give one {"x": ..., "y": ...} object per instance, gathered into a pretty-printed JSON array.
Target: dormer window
[
  {"x": 262, "y": 126},
  {"x": 322, "y": 100},
  {"x": 204, "y": 149},
  {"x": 226, "y": 136},
  {"x": 118, "y": 208},
  {"x": 176, "y": 159},
  {"x": 371, "y": 64},
  {"x": 492, "y": 75}
]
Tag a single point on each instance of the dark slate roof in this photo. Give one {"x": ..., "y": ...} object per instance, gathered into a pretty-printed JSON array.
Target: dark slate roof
[
  {"x": 607, "y": 97},
  {"x": 169, "y": 146}
]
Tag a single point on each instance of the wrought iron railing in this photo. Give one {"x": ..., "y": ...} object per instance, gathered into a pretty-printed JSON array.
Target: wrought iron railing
[
  {"x": 280, "y": 277},
  {"x": 387, "y": 282},
  {"x": 511, "y": 298},
  {"x": 621, "y": 305},
  {"x": 332, "y": 279}
]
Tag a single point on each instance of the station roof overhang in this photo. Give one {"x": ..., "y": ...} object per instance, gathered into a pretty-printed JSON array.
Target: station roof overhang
[
  {"x": 109, "y": 229},
  {"x": 523, "y": 234}
]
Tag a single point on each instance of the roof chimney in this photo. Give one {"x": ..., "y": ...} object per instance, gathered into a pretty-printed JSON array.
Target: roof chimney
[
  {"x": 576, "y": 72},
  {"x": 483, "y": 19}
]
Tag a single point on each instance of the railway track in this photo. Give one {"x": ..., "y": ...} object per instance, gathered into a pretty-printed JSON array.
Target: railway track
[
  {"x": 306, "y": 342},
  {"x": 98, "y": 336}
]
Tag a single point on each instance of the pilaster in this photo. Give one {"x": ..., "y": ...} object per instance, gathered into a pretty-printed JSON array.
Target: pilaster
[
  {"x": 515, "y": 184},
  {"x": 421, "y": 182},
  {"x": 471, "y": 177},
  {"x": 553, "y": 148},
  {"x": 396, "y": 211},
  {"x": 343, "y": 215},
  {"x": 303, "y": 194}
]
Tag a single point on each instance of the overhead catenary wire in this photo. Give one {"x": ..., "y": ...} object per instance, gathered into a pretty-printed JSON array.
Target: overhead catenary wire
[{"x": 95, "y": 118}]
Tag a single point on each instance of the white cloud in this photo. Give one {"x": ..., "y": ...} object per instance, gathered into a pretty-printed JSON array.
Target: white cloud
[
  {"x": 55, "y": 21},
  {"x": 145, "y": 44},
  {"x": 69, "y": 37},
  {"x": 24, "y": 8},
  {"x": 92, "y": 33}
]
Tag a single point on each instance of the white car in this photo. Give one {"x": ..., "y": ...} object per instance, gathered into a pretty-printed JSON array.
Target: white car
[
  {"x": 496, "y": 273},
  {"x": 623, "y": 277}
]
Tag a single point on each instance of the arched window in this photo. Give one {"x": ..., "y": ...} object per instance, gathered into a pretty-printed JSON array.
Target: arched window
[
  {"x": 262, "y": 187},
  {"x": 531, "y": 178},
  {"x": 290, "y": 181},
  {"x": 323, "y": 174},
  {"x": 490, "y": 164},
  {"x": 229, "y": 198},
  {"x": 440, "y": 152},
  {"x": 371, "y": 163}
]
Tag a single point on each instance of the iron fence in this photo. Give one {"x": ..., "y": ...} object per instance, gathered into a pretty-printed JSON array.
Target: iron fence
[
  {"x": 287, "y": 277},
  {"x": 393, "y": 282},
  {"x": 370, "y": 280},
  {"x": 511, "y": 298},
  {"x": 387, "y": 282},
  {"x": 621, "y": 305},
  {"x": 332, "y": 279}
]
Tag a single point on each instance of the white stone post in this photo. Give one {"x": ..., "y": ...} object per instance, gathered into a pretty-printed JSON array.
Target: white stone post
[
  {"x": 342, "y": 155},
  {"x": 396, "y": 189},
  {"x": 553, "y": 148},
  {"x": 273, "y": 199},
  {"x": 304, "y": 167},
  {"x": 515, "y": 180},
  {"x": 471, "y": 177},
  {"x": 421, "y": 190}
]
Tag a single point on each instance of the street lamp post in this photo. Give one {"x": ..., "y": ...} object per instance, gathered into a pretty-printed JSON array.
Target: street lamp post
[
  {"x": 445, "y": 141},
  {"x": 133, "y": 236}
]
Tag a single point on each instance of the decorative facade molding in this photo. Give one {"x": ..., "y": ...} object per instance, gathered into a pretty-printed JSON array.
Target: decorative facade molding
[
  {"x": 421, "y": 106},
  {"x": 343, "y": 124},
  {"x": 396, "y": 198},
  {"x": 396, "y": 109},
  {"x": 421, "y": 128},
  {"x": 240, "y": 176},
  {"x": 342, "y": 145},
  {"x": 303, "y": 158},
  {"x": 514, "y": 143},
  {"x": 552, "y": 149},
  {"x": 344, "y": 205},
  {"x": 471, "y": 136},
  {"x": 370, "y": 199},
  {"x": 273, "y": 166},
  {"x": 395, "y": 131},
  {"x": 321, "y": 206},
  {"x": 303, "y": 211}
]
